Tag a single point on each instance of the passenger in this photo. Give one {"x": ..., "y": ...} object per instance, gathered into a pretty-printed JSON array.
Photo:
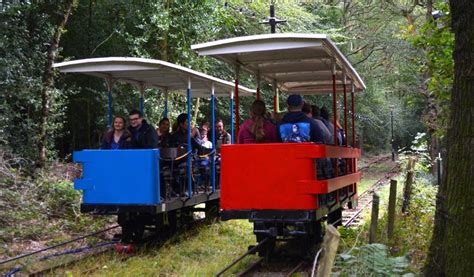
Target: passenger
[
  {"x": 316, "y": 115},
  {"x": 222, "y": 137},
  {"x": 341, "y": 135},
  {"x": 205, "y": 142},
  {"x": 163, "y": 132},
  {"x": 305, "y": 130},
  {"x": 180, "y": 136},
  {"x": 325, "y": 118},
  {"x": 257, "y": 129},
  {"x": 143, "y": 134},
  {"x": 118, "y": 137}
]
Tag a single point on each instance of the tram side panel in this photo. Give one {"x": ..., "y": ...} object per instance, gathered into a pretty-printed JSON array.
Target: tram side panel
[
  {"x": 119, "y": 176},
  {"x": 278, "y": 176}
]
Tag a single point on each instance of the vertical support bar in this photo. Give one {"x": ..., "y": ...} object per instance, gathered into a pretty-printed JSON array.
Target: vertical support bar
[
  {"x": 353, "y": 116},
  {"x": 344, "y": 85},
  {"x": 110, "y": 83},
  {"x": 354, "y": 165},
  {"x": 237, "y": 116},
  {"x": 189, "y": 139},
  {"x": 258, "y": 85},
  {"x": 213, "y": 137},
  {"x": 276, "y": 106},
  {"x": 165, "y": 110},
  {"x": 334, "y": 111},
  {"x": 141, "y": 87},
  {"x": 345, "y": 110},
  {"x": 232, "y": 117}
]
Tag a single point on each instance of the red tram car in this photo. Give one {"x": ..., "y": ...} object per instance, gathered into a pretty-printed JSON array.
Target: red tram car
[{"x": 277, "y": 186}]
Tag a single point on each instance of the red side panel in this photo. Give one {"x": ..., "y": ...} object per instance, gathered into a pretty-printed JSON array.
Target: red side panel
[{"x": 277, "y": 175}]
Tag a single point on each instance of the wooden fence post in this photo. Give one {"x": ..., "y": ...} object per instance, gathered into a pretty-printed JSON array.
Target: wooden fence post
[
  {"x": 330, "y": 244},
  {"x": 392, "y": 200},
  {"x": 374, "y": 218},
  {"x": 408, "y": 184}
]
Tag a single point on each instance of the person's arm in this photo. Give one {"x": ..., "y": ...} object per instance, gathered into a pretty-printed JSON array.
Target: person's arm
[{"x": 152, "y": 138}]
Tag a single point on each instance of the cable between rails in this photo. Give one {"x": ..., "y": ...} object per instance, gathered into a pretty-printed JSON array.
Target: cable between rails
[{"x": 57, "y": 245}]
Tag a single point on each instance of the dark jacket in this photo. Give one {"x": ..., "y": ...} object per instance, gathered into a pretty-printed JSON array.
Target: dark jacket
[
  {"x": 125, "y": 141},
  {"x": 328, "y": 134},
  {"x": 330, "y": 127},
  {"x": 145, "y": 137},
  {"x": 306, "y": 129},
  {"x": 180, "y": 138},
  {"x": 164, "y": 141}
]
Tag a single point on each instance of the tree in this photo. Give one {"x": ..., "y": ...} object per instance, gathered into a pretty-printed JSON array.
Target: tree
[
  {"x": 48, "y": 78},
  {"x": 452, "y": 248}
]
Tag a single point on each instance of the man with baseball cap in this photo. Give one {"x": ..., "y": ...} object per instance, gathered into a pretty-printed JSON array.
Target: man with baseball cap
[{"x": 296, "y": 126}]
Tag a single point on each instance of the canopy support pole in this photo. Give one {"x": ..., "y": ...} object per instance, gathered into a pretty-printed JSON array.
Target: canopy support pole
[
  {"x": 334, "y": 111},
  {"x": 237, "y": 116},
  {"x": 232, "y": 117},
  {"x": 189, "y": 139},
  {"x": 258, "y": 85},
  {"x": 276, "y": 97},
  {"x": 345, "y": 109},
  {"x": 141, "y": 87},
  {"x": 165, "y": 110},
  {"x": 344, "y": 86},
  {"x": 353, "y": 116},
  {"x": 213, "y": 137},
  {"x": 110, "y": 83}
]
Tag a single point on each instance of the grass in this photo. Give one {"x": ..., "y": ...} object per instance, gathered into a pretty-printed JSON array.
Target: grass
[{"x": 202, "y": 251}]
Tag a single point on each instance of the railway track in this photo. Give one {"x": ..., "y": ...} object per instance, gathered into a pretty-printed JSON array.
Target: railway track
[
  {"x": 353, "y": 216},
  {"x": 24, "y": 263}
]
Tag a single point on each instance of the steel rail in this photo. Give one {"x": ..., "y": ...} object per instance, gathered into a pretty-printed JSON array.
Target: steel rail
[
  {"x": 250, "y": 251},
  {"x": 56, "y": 245}
]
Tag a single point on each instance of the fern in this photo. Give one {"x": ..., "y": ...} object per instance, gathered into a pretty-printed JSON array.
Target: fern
[{"x": 371, "y": 260}]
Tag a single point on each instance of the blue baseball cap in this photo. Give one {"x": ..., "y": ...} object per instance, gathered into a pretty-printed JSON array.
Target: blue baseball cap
[{"x": 294, "y": 100}]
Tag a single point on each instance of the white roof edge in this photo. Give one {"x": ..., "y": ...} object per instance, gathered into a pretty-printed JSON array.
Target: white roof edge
[
  {"x": 353, "y": 75},
  {"x": 150, "y": 62},
  {"x": 256, "y": 37}
]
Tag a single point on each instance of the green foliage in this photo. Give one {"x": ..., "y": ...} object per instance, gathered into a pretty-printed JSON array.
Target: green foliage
[
  {"x": 436, "y": 40},
  {"x": 371, "y": 259},
  {"x": 39, "y": 208}
]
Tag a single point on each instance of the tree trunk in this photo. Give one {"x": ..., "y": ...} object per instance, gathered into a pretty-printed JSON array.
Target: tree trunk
[
  {"x": 452, "y": 247},
  {"x": 48, "y": 81}
]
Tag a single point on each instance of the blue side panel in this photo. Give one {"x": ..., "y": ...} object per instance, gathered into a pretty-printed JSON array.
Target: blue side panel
[{"x": 119, "y": 176}]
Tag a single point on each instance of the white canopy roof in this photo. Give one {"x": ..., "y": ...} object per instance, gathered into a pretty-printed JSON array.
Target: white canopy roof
[
  {"x": 152, "y": 74},
  {"x": 299, "y": 63}
]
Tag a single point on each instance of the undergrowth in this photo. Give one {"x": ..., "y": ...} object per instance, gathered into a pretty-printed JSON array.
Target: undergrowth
[
  {"x": 38, "y": 205},
  {"x": 406, "y": 252}
]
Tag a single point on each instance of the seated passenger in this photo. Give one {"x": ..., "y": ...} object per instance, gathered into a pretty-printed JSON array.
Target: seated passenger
[
  {"x": 205, "y": 142},
  {"x": 325, "y": 118},
  {"x": 296, "y": 126},
  {"x": 341, "y": 135},
  {"x": 118, "y": 137},
  {"x": 222, "y": 137},
  {"x": 308, "y": 110},
  {"x": 257, "y": 129},
  {"x": 180, "y": 136},
  {"x": 163, "y": 132},
  {"x": 143, "y": 134}
]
